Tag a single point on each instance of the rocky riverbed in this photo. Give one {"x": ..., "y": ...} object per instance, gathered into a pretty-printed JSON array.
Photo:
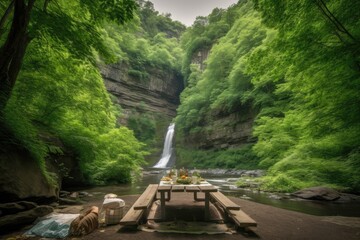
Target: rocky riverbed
[
  {"x": 15, "y": 215},
  {"x": 273, "y": 223}
]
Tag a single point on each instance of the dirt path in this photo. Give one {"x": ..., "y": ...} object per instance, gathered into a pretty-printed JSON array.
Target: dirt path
[{"x": 273, "y": 223}]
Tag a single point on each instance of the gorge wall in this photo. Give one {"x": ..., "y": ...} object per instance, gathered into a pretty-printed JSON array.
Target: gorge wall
[
  {"x": 158, "y": 93},
  {"x": 155, "y": 96},
  {"x": 222, "y": 131}
]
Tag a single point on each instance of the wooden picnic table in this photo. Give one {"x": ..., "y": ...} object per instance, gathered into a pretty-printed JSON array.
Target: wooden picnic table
[
  {"x": 166, "y": 189},
  {"x": 142, "y": 205}
]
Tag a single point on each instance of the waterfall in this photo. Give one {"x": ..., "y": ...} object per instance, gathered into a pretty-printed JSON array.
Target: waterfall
[{"x": 166, "y": 155}]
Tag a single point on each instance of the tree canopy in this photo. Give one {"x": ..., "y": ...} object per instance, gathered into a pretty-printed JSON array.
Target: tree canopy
[{"x": 296, "y": 63}]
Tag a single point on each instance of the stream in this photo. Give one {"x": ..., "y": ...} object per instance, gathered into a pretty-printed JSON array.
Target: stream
[{"x": 227, "y": 185}]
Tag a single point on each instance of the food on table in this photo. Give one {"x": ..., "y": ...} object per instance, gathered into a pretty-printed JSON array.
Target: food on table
[
  {"x": 185, "y": 180},
  {"x": 166, "y": 179}
]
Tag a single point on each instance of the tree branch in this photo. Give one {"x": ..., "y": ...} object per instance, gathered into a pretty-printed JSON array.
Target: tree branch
[
  {"x": 337, "y": 21},
  {"x": 330, "y": 16},
  {"x": 46, "y": 3},
  {"x": 6, "y": 16}
]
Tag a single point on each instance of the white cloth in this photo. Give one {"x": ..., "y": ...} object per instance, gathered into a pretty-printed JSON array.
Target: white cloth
[{"x": 53, "y": 225}]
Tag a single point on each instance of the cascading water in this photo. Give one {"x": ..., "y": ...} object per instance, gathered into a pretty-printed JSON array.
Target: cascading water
[{"x": 166, "y": 155}]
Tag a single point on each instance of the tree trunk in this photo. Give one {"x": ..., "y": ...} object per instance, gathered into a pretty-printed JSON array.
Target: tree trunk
[
  {"x": 5, "y": 17},
  {"x": 13, "y": 50}
]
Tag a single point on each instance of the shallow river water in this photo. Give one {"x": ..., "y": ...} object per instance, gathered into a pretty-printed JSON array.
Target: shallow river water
[{"x": 226, "y": 185}]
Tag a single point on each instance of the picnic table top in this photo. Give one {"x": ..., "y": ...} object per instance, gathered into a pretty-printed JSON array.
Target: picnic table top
[{"x": 171, "y": 183}]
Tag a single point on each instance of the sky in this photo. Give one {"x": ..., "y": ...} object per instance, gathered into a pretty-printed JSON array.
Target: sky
[{"x": 186, "y": 11}]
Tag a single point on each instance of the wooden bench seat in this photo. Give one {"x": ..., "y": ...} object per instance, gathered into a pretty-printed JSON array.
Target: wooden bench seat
[
  {"x": 132, "y": 217},
  {"x": 147, "y": 198},
  {"x": 224, "y": 201},
  {"x": 240, "y": 218},
  {"x": 140, "y": 207}
]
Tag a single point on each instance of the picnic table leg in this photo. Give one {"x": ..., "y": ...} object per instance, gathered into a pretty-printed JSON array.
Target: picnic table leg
[
  {"x": 196, "y": 198},
  {"x": 168, "y": 196},
  {"x": 162, "y": 204},
  {"x": 207, "y": 206}
]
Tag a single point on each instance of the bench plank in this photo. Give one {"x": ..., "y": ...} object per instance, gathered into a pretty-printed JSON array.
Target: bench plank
[
  {"x": 132, "y": 217},
  {"x": 242, "y": 219},
  {"x": 208, "y": 188},
  {"x": 224, "y": 201},
  {"x": 146, "y": 199}
]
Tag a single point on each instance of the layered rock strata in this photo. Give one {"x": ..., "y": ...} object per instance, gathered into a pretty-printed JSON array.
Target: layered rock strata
[{"x": 158, "y": 93}]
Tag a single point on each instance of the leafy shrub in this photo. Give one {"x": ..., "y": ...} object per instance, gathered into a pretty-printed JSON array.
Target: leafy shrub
[{"x": 238, "y": 158}]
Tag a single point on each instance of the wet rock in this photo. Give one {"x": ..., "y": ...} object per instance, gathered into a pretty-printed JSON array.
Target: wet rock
[
  {"x": 18, "y": 220},
  {"x": 21, "y": 178},
  {"x": 65, "y": 201},
  {"x": 234, "y": 172},
  {"x": 345, "y": 197},
  {"x": 83, "y": 194},
  {"x": 74, "y": 195},
  {"x": 11, "y": 208},
  {"x": 15, "y": 207},
  {"x": 64, "y": 194},
  {"x": 71, "y": 209},
  {"x": 27, "y": 205},
  {"x": 318, "y": 193},
  {"x": 253, "y": 173},
  {"x": 232, "y": 180},
  {"x": 54, "y": 204},
  {"x": 245, "y": 197},
  {"x": 274, "y": 196}
]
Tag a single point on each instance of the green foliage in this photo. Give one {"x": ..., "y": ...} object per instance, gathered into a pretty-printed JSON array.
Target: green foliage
[
  {"x": 297, "y": 64},
  {"x": 68, "y": 96},
  {"x": 239, "y": 158},
  {"x": 289, "y": 174},
  {"x": 138, "y": 74},
  {"x": 205, "y": 32},
  {"x": 25, "y": 134},
  {"x": 60, "y": 87},
  {"x": 142, "y": 52},
  {"x": 144, "y": 127},
  {"x": 318, "y": 121},
  {"x": 107, "y": 158},
  {"x": 224, "y": 85},
  {"x": 153, "y": 23}
]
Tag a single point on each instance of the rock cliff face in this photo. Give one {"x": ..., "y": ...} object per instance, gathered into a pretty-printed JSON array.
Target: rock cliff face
[
  {"x": 22, "y": 179},
  {"x": 222, "y": 131},
  {"x": 27, "y": 182},
  {"x": 158, "y": 93},
  {"x": 228, "y": 132},
  {"x": 225, "y": 132},
  {"x": 155, "y": 92}
]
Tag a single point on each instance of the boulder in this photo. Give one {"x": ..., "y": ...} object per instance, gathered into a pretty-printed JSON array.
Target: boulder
[
  {"x": 318, "y": 193},
  {"x": 21, "y": 178},
  {"x": 74, "y": 195},
  {"x": 15, "y": 207},
  {"x": 18, "y": 220},
  {"x": 64, "y": 194},
  {"x": 66, "y": 201}
]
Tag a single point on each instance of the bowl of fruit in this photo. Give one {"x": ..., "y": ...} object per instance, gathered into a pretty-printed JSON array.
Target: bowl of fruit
[{"x": 183, "y": 180}]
